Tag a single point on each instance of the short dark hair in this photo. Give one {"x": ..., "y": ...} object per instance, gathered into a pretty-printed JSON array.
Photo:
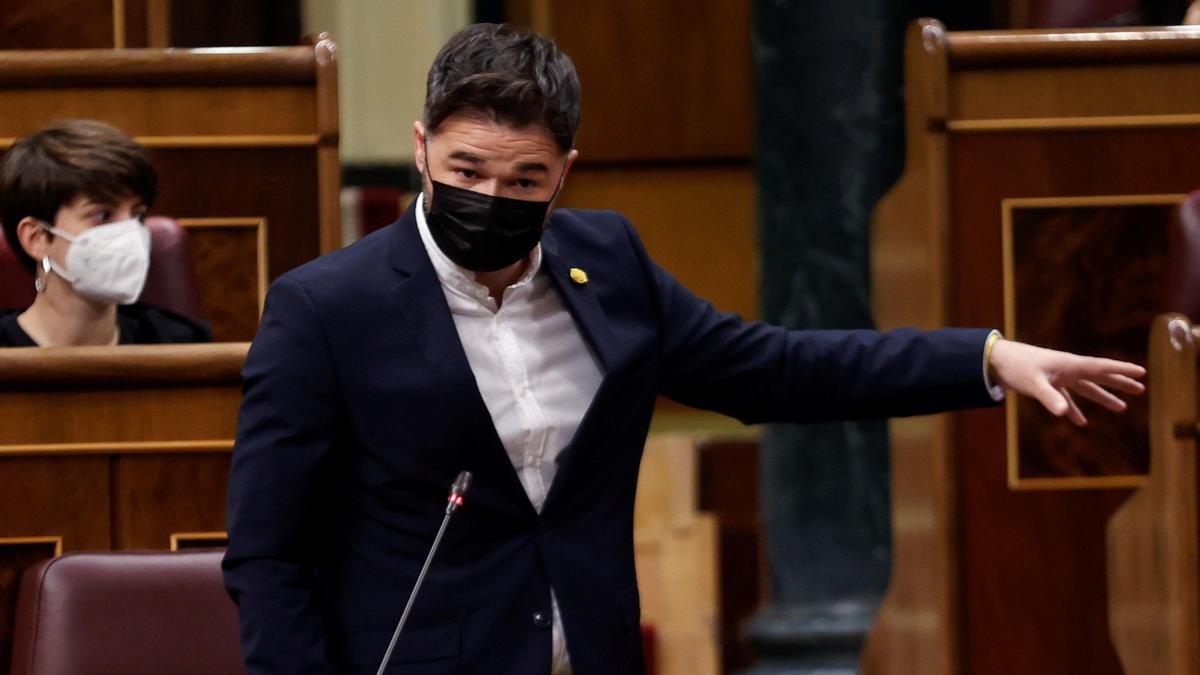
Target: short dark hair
[
  {"x": 48, "y": 169},
  {"x": 511, "y": 75}
]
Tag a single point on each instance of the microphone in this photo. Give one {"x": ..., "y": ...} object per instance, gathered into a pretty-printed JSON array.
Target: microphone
[
  {"x": 462, "y": 483},
  {"x": 458, "y": 492}
]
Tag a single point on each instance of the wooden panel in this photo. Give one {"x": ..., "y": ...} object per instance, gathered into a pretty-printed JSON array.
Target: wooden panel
[
  {"x": 661, "y": 80},
  {"x": 40, "y": 24},
  {"x": 1154, "y": 566},
  {"x": 1088, "y": 91},
  {"x": 156, "y": 495},
  {"x": 1085, "y": 275},
  {"x": 278, "y": 184},
  {"x": 167, "y": 111},
  {"x": 697, "y": 222},
  {"x": 1043, "y": 611},
  {"x": 230, "y": 259},
  {"x": 144, "y": 414}
]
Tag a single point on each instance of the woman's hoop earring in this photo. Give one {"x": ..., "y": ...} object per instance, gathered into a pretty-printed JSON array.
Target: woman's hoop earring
[{"x": 39, "y": 281}]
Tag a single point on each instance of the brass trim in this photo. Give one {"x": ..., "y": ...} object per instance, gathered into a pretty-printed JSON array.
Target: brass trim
[
  {"x": 259, "y": 223},
  {"x": 57, "y": 540},
  {"x": 1007, "y": 206},
  {"x": 216, "y": 141},
  {"x": 117, "y": 448},
  {"x": 1073, "y": 123},
  {"x": 118, "y": 17},
  {"x": 177, "y": 537}
]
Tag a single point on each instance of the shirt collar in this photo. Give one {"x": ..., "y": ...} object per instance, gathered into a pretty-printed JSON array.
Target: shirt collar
[{"x": 455, "y": 277}]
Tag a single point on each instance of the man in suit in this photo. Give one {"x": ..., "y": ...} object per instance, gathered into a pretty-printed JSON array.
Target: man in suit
[{"x": 482, "y": 332}]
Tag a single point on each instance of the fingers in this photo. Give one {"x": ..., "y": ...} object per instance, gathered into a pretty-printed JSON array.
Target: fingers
[
  {"x": 1097, "y": 366},
  {"x": 1120, "y": 383},
  {"x": 1051, "y": 398},
  {"x": 1073, "y": 412},
  {"x": 1094, "y": 392}
]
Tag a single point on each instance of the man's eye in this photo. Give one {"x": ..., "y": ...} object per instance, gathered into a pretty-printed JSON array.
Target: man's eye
[
  {"x": 525, "y": 183},
  {"x": 466, "y": 173}
]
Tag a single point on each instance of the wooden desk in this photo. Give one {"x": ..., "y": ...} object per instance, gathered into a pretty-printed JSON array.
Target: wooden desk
[
  {"x": 1042, "y": 169},
  {"x": 106, "y": 448}
]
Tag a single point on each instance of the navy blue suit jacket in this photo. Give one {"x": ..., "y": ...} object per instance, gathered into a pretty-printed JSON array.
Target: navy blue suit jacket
[{"x": 360, "y": 408}]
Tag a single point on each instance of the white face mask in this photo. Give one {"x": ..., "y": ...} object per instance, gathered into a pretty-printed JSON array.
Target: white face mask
[{"x": 106, "y": 263}]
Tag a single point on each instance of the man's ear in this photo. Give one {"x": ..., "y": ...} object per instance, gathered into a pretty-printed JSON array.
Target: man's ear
[
  {"x": 419, "y": 146},
  {"x": 571, "y": 157},
  {"x": 32, "y": 237}
]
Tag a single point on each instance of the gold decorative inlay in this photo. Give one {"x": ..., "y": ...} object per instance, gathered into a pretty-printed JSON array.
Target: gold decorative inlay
[
  {"x": 33, "y": 541},
  {"x": 215, "y": 538}
]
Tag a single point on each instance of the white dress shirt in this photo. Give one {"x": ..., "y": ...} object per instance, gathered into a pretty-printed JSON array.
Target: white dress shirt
[{"x": 536, "y": 373}]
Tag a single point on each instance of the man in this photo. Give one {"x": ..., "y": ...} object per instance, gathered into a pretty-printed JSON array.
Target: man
[{"x": 461, "y": 338}]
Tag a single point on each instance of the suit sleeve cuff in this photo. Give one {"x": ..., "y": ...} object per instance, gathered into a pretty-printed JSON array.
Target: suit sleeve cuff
[{"x": 996, "y": 391}]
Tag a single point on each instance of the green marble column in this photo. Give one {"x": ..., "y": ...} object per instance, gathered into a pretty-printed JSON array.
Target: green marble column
[{"x": 830, "y": 143}]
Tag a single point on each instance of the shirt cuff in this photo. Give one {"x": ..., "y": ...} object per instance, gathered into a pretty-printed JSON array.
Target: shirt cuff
[{"x": 996, "y": 391}]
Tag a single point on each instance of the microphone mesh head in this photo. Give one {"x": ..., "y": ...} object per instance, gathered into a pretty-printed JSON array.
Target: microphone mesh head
[{"x": 462, "y": 483}]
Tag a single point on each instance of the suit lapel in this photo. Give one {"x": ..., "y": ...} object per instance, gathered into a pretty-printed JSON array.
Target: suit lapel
[{"x": 580, "y": 300}]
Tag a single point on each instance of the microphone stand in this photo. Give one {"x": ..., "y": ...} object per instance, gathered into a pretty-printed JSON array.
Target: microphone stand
[{"x": 461, "y": 484}]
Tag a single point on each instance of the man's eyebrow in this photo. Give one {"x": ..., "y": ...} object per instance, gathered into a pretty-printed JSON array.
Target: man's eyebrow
[
  {"x": 533, "y": 166},
  {"x": 465, "y": 156}
]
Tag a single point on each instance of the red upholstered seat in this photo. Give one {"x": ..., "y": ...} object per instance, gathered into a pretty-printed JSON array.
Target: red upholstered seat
[
  {"x": 130, "y": 613},
  {"x": 1183, "y": 261},
  {"x": 170, "y": 284}
]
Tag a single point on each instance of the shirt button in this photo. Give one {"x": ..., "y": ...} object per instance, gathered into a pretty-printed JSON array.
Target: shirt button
[{"x": 541, "y": 619}]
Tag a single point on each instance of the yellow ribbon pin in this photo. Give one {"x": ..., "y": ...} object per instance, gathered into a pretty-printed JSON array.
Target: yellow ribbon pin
[{"x": 578, "y": 276}]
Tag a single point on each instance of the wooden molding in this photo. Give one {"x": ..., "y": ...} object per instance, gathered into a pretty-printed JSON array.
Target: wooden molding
[
  {"x": 118, "y": 448},
  {"x": 1031, "y": 47},
  {"x": 154, "y": 67},
  {"x": 28, "y": 367},
  {"x": 222, "y": 141},
  {"x": 1073, "y": 123}
]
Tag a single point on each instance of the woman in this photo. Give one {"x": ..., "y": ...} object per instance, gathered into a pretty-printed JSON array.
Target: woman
[{"x": 72, "y": 200}]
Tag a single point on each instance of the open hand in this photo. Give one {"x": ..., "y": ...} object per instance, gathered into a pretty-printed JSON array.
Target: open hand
[{"x": 1052, "y": 377}]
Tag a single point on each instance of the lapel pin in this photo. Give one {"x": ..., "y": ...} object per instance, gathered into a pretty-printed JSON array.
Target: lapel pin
[{"x": 578, "y": 276}]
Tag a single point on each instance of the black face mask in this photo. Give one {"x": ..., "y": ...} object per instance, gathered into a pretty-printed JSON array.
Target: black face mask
[{"x": 480, "y": 232}]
